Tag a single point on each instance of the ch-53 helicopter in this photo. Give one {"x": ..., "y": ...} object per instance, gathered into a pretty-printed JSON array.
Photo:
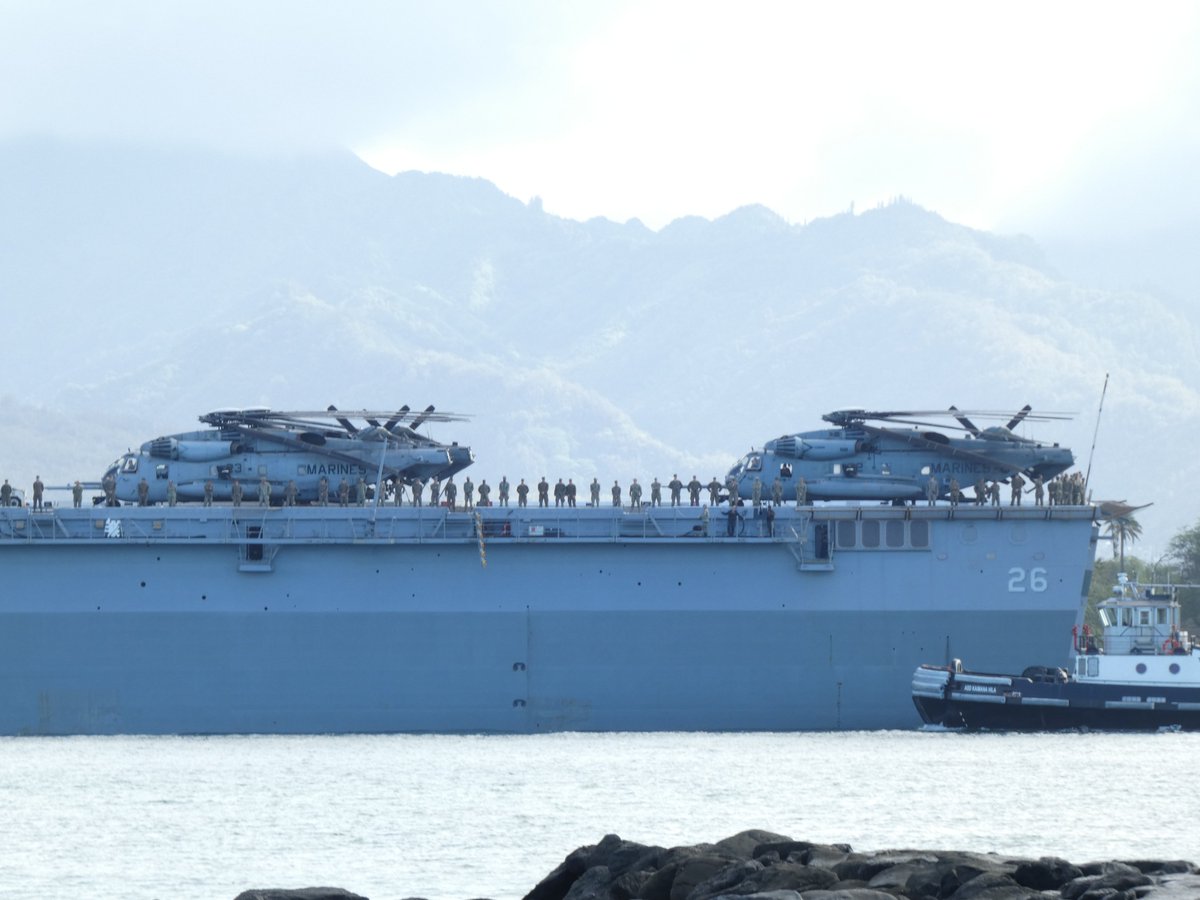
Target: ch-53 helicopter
[
  {"x": 858, "y": 461},
  {"x": 247, "y": 445}
]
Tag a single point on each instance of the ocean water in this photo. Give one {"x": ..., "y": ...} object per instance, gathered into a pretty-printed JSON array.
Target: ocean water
[{"x": 450, "y": 818}]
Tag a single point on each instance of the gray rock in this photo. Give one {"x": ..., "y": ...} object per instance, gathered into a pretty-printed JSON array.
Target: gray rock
[
  {"x": 593, "y": 884},
  {"x": 694, "y": 872},
  {"x": 727, "y": 879},
  {"x": 1119, "y": 879},
  {"x": 853, "y": 893}
]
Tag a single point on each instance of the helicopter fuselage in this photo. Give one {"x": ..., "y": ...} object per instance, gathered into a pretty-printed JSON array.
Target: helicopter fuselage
[
  {"x": 888, "y": 464},
  {"x": 247, "y": 455}
]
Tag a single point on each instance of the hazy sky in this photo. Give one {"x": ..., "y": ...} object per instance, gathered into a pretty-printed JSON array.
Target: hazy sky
[{"x": 1014, "y": 115}]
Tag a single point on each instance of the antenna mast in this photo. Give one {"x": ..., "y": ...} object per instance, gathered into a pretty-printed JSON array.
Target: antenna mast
[{"x": 1088, "y": 476}]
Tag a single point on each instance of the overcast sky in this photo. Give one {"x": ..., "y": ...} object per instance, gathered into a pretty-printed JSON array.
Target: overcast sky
[{"x": 1035, "y": 116}]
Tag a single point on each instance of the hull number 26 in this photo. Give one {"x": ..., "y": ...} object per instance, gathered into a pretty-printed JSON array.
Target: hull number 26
[{"x": 1020, "y": 580}]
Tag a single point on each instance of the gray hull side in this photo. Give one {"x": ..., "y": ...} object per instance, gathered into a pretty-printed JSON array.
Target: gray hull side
[{"x": 337, "y": 637}]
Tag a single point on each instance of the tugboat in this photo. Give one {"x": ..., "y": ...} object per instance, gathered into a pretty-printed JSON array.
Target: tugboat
[{"x": 1144, "y": 674}]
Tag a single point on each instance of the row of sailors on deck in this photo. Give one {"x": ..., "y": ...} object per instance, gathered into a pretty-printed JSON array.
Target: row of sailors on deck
[{"x": 1065, "y": 490}]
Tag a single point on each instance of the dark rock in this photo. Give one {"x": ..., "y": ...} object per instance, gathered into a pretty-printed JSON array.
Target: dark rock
[
  {"x": 1045, "y": 874},
  {"x": 793, "y": 877},
  {"x": 1162, "y": 866},
  {"x": 788, "y": 848},
  {"x": 852, "y": 893},
  {"x": 555, "y": 885},
  {"x": 694, "y": 872},
  {"x": 993, "y": 886},
  {"x": 591, "y": 885},
  {"x": 864, "y": 867},
  {"x": 1106, "y": 868},
  {"x": 1120, "y": 878},
  {"x": 630, "y": 885},
  {"x": 745, "y": 844},
  {"x": 311, "y": 893},
  {"x": 727, "y": 879}
]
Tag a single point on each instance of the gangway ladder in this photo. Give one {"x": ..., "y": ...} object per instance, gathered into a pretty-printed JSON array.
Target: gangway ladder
[{"x": 796, "y": 543}]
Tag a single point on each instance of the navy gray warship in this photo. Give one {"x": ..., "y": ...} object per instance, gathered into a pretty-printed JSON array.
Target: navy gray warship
[{"x": 298, "y": 617}]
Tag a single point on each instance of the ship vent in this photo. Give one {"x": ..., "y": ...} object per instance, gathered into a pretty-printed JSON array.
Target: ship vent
[{"x": 786, "y": 446}]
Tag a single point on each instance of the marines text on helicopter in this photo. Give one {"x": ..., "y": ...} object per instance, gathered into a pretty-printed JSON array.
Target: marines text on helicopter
[
  {"x": 245, "y": 446},
  {"x": 858, "y": 461}
]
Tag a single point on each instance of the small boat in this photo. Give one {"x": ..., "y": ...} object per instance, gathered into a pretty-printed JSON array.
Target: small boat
[{"x": 1142, "y": 674}]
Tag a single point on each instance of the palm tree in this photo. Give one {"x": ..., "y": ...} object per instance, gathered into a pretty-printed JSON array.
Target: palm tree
[{"x": 1122, "y": 529}]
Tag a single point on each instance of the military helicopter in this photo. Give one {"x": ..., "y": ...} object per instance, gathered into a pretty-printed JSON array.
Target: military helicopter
[
  {"x": 859, "y": 461},
  {"x": 246, "y": 445}
]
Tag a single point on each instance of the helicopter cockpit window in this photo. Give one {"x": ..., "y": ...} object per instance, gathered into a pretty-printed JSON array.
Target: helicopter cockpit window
[
  {"x": 753, "y": 463},
  {"x": 160, "y": 472},
  {"x": 129, "y": 464}
]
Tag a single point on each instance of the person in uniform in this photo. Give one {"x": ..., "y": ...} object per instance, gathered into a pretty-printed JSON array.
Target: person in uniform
[
  {"x": 1053, "y": 492},
  {"x": 1039, "y": 491},
  {"x": 172, "y": 493},
  {"x": 570, "y": 492},
  {"x": 5, "y": 493},
  {"x": 418, "y": 491},
  {"x": 616, "y": 493},
  {"x": 208, "y": 492},
  {"x": 343, "y": 493},
  {"x": 731, "y": 521},
  {"x": 484, "y": 491},
  {"x": 980, "y": 491},
  {"x": 290, "y": 492},
  {"x": 435, "y": 490},
  {"x": 398, "y": 492},
  {"x": 714, "y": 491},
  {"x": 323, "y": 491},
  {"x": 777, "y": 491},
  {"x": 770, "y": 521},
  {"x": 560, "y": 493},
  {"x": 451, "y": 492},
  {"x": 235, "y": 493},
  {"x": 504, "y": 490},
  {"x": 38, "y": 488},
  {"x": 756, "y": 492},
  {"x": 994, "y": 493},
  {"x": 676, "y": 486},
  {"x": 522, "y": 493},
  {"x": 1017, "y": 483},
  {"x": 931, "y": 490},
  {"x": 76, "y": 495},
  {"x": 954, "y": 492},
  {"x": 264, "y": 492},
  {"x": 655, "y": 492},
  {"x": 694, "y": 491},
  {"x": 731, "y": 486},
  {"x": 594, "y": 488},
  {"x": 635, "y": 495},
  {"x": 360, "y": 491},
  {"x": 468, "y": 494},
  {"x": 801, "y": 491},
  {"x": 543, "y": 492}
]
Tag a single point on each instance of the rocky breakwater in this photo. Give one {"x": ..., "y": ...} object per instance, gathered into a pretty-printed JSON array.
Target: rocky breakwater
[{"x": 766, "y": 866}]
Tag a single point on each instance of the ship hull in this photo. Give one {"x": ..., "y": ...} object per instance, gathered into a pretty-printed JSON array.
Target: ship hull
[{"x": 217, "y": 621}]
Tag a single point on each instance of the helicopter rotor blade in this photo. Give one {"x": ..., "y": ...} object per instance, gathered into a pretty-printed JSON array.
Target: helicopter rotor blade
[
  {"x": 1019, "y": 417},
  {"x": 344, "y": 422},
  {"x": 397, "y": 418},
  {"x": 964, "y": 421},
  {"x": 420, "y": 420}
]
